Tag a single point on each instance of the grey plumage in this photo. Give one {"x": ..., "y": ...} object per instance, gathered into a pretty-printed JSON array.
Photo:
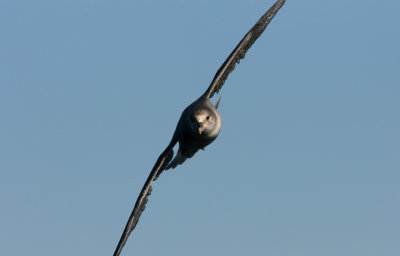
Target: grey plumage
[
  {"x": 199, "y": 124},
  {"x": 200, "y": 115}
]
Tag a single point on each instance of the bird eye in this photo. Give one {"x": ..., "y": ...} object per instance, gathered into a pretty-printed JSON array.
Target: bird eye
[{"x": 208, "y": 117}]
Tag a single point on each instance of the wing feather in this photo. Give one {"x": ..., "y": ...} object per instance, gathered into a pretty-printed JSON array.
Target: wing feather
[
  {"x": 141, "y": 201},
  {"x": 241, "y": 49}
]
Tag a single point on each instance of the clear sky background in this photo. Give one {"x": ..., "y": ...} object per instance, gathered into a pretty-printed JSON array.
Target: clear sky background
[{"x": 307, "y": 162}]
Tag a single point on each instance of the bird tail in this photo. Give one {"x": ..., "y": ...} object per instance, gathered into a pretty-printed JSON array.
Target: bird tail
[
  {"x": 217, "y": 104},
  {"x": 181, "y": 156}
]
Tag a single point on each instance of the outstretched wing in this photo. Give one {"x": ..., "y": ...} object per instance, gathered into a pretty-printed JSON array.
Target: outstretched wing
[
  {"x": 241, "y": 49},
  {"x": 140, "y": 204}
]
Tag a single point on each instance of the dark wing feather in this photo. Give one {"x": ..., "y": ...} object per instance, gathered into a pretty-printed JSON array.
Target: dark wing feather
[
  {"x": 140, "y": 204},
  {"x": 241, "y": 49}
]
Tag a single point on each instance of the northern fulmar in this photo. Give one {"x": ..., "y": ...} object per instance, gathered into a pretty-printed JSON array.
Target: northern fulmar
[{"x": 199, "y": 124}]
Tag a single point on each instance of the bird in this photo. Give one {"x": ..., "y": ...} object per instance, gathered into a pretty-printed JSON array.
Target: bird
[{"x": 199, "y": 124}]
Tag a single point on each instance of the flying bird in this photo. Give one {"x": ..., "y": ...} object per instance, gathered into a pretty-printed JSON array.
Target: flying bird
[{"x": 199, "y": 124}]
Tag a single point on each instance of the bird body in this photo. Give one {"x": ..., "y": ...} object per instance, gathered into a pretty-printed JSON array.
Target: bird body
[{"x": 199, "y": 124}]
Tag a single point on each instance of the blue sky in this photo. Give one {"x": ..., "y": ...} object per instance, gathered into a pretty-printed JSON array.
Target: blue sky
[{"x": 307, "y": 162}]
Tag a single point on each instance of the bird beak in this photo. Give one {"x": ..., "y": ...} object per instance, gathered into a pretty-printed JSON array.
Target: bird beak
[{"x": 200, "y": 130}]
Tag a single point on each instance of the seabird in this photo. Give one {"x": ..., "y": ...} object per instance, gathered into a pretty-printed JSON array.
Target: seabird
[{"x": 199, "y": 124}]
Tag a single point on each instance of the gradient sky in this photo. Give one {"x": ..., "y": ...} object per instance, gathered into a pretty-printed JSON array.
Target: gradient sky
[{"x": 307, "y": 162}]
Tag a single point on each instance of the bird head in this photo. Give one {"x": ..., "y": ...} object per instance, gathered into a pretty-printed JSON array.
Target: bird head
[{"x": 202, "y": 121}]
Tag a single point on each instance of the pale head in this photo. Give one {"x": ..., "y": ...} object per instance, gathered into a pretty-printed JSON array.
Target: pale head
[{"x": 203, "y": 122}]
